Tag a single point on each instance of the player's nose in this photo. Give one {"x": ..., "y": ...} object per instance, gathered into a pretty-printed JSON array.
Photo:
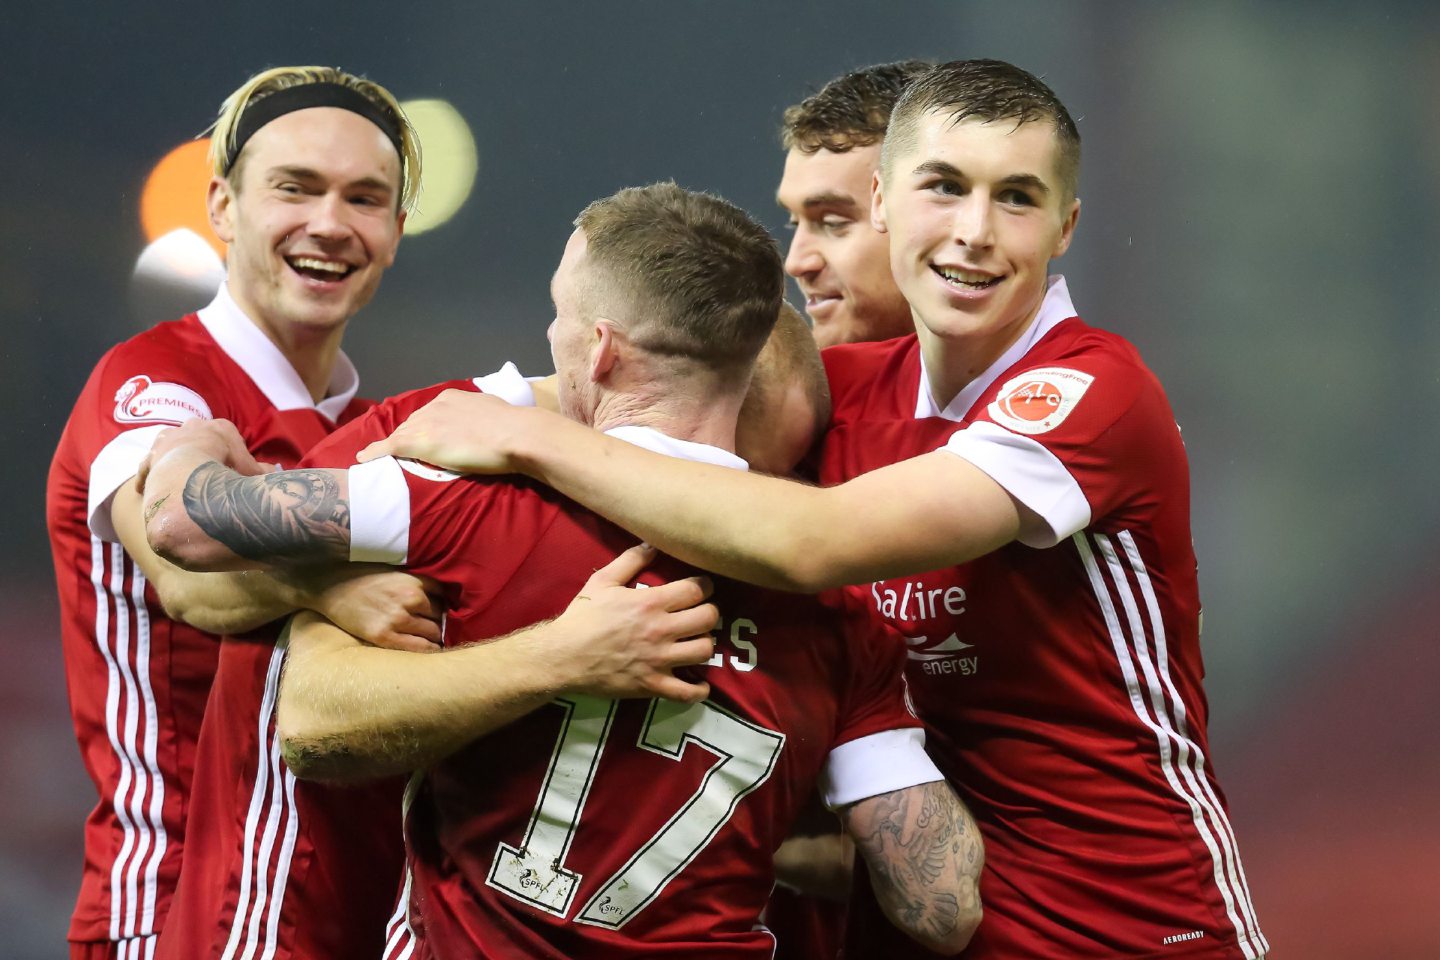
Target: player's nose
[
  {"x": 329, "y": 216},
  {"x": 803, "y": 258},
  {"x": 973, "y": 223}
]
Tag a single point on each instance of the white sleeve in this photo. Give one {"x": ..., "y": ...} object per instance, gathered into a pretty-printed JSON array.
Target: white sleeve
[
  {"x": 1031, "y": 474},
  {"x": 115, "y": 464},
  {"x": 882, "y": 762},
  {"x": 379, "y": 512}
]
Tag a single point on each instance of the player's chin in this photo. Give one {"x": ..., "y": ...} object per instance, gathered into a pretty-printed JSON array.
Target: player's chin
[{"x": 832, "y": 331}]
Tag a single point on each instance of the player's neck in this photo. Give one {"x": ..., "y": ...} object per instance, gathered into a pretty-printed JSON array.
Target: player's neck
[
  {"x": 700, "y": 420},
  {"x": 311, "y": 349},
  {"x": 953, "y": 362}
]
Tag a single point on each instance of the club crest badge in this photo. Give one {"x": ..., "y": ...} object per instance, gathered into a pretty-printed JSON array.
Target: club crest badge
[{"x": 1039, "y": 400}]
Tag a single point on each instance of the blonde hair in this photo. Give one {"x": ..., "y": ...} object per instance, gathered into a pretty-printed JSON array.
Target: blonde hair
[{"x": 224, "y": 130}]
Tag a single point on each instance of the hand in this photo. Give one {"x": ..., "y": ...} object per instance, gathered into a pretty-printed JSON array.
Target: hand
[
  {"x": 617, "y": 641},
  {"x": 207, "y": 440},
  {"x": 459, "y": 430},
  {"x": 382, "y": 606},
  {"x": 820, "y": 866}
]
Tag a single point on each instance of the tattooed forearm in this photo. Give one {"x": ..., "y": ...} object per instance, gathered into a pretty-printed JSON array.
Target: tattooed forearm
[
  {"x": 925, "y": 855},
  {"x": 296, "y": 515}
]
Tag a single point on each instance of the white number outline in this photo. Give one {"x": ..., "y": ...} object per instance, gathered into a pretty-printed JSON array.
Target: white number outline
[
  {"x": 746, "y": 756},
  {"x": 535, "y": 873}
]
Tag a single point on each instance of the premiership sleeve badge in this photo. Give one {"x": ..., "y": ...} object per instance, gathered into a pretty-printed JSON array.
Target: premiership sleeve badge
[{"x": 142, "y": 400}]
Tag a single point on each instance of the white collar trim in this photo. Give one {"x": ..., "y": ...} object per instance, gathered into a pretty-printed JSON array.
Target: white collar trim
[
  {"x": 509, "y": 385},
  {"x": 657, "y": 442},
  {"x": 1056, "y": 307},
  {"x": 263, "y": 362}
]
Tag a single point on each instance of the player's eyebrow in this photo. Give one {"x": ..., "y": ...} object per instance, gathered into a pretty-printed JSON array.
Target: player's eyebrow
[
  {"x": 938, "y": 168},
  {"x": 293, "y": 173},
  {"x": 941, "y": 168},
  {"x": 1028, "y": 181},
  {"x": 829, "y": 198},
  {"x": 308, "y": 175}
]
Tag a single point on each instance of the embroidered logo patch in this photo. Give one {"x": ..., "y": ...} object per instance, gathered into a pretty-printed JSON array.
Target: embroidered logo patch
[
  {"x": 426, "y": 472},
  {"x": 1039, "y": 400},
  {"x": 142, "y": 400}
]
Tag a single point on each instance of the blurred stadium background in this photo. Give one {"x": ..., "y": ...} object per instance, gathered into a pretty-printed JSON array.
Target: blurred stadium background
[{"x": 1261, "y": 193}]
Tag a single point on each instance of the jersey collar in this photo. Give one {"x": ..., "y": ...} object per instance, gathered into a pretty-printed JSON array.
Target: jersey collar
[
  {"x": 509, "y": 385},
  {"x": 263, "y": 362},
  {"x": 1056, "y": 307},
  {"x": 657, "y": 442}
]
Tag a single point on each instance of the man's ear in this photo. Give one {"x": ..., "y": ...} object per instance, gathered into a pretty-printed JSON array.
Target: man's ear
[
  {"x": 605, "y": 352},
  {"x": 1067, "y": 229},
  {"x": 218, "y": 201},
  {"x": 399, "y": 232},
  {"x": 877, "y": 203}
]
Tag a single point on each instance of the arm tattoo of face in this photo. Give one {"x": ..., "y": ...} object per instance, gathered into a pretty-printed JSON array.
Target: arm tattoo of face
[{"x": 292, "y": 516}]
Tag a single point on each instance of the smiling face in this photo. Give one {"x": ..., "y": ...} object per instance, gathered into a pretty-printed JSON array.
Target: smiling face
[
  {"x": 312, "y": 220},
  {"x": 838, "y": 259},
  {"x": 975, "y": 211}
]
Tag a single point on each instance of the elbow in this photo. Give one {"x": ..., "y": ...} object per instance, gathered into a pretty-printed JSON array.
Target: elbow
[
  {"x": 304, "y": 746},
  {"x": 299, "y": 746},
  {"x": 310, "y": 755},
  {"x": 957, "y": 938},
  {"x": 809, "y": 575},
  {"x": 176, "y": 539},
  {"x": 807, "y": 569},
  {"x": 300, "y": 756},
  {"x": 314, "y": 749},
  {"x": 311, "y": 759}
]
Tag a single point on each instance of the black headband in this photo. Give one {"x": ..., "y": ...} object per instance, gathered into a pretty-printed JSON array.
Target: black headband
[{"x": 303, "y": 97}]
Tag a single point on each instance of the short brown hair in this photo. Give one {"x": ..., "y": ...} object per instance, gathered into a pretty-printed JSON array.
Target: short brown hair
[
  {"x": 790, "y": 356},
  {"x": 224, "y": 130},
  {"x": 790, "y": 362},
  {"x": 987, "y": 90},
  {"x": 697, "y": 276},
  {"x": 851, "y": 110}
]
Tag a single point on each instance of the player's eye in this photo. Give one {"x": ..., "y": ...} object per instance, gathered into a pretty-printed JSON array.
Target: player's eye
[{"x": 1017, "y": 198}]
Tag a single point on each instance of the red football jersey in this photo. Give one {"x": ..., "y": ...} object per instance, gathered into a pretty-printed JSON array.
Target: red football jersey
[
  {"x": 138, "y": 680},
  {"x": 280, "y": 867},
  {"x": 1059, "y": 678},
  {"x": 594, "y": 828}
]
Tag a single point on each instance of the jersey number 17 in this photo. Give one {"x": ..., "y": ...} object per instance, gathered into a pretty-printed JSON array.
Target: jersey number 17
[{"x": 536, "y": 873}]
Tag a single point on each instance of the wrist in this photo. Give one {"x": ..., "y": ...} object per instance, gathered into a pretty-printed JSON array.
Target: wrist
[
  {"x": 524, "y": 449},
  {"x": 540, "y": 652},
  {"x": 305, "y": 590}
]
